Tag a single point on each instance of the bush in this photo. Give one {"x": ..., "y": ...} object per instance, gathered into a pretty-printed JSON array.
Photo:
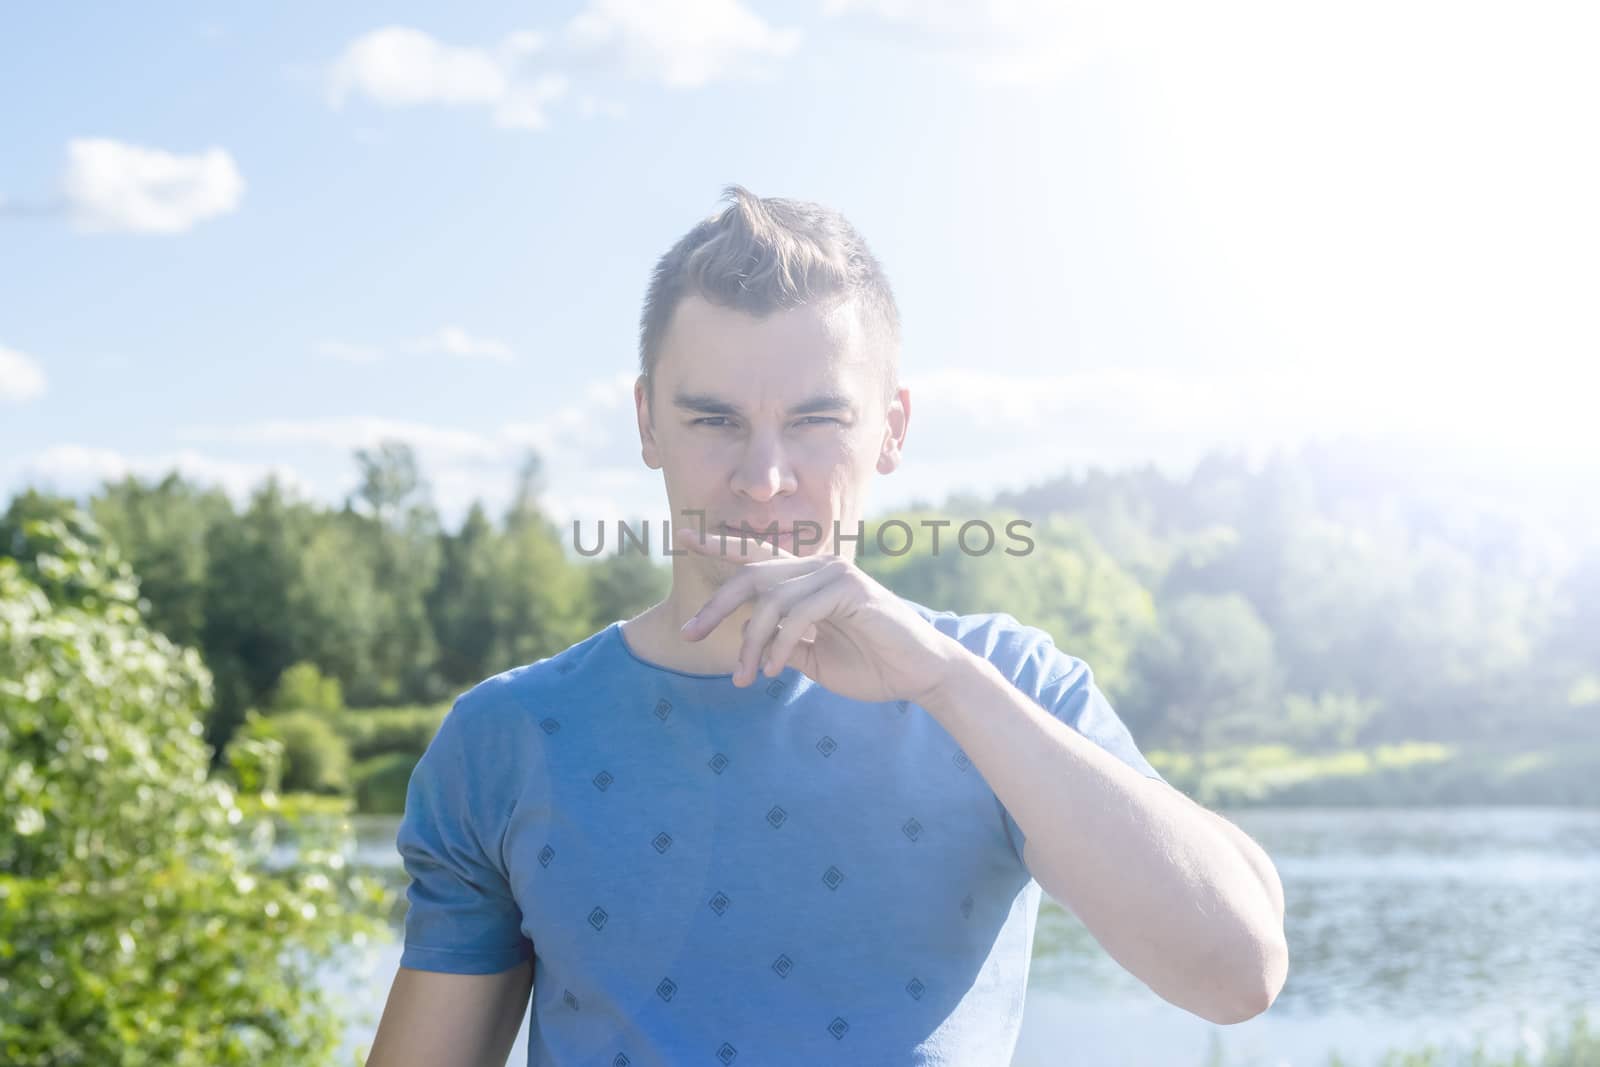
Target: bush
[
  {"x": 303, "y": 688},
  {"x": 376, "y": 731},
  {"x": 140, "y": 920},
  {"x": 315, "y": 758},
  {"x": 380, "y": 783}
]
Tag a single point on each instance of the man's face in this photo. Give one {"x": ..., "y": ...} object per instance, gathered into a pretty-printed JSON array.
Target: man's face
[{"x": 768, "y": 420}]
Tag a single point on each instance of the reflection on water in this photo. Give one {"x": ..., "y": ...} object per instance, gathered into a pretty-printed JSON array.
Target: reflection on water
[{"x": 1405, "y": 926}]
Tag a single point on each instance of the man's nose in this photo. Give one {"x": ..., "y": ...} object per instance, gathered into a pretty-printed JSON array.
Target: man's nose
[{"x": 764, "y": 471}]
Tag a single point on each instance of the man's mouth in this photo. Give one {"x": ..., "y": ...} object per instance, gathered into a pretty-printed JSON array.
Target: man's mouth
[{"x": 784, "y": 537}]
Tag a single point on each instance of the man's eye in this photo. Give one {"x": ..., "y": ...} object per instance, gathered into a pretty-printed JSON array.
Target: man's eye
[{"x": 717, "y": 421}]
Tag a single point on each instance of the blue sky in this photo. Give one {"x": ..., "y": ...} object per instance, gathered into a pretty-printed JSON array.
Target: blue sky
[{"x": 241, "y": 240}]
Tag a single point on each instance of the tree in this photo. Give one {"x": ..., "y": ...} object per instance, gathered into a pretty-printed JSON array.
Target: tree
[
  {"x": 1065, "y": 584},
  {"x": 398, "y": 528},
  {"x": 252, "y": 628},
  {"x": 140, "y": 922},
  {"x": 303, "y": 688},
  {"x": 29, "y": 506},
  {"x": 461, "y": 603},
  {"x": 336, "y": 601},
  {"x": 509, "y": 596},
  {"x": 161, "y": 530},
  {"x": 537, "y": 593},
  {"x": 391, "y": 481},
  {"x": 622, "y": 585},
  {"x": 1207, "y": 676}
]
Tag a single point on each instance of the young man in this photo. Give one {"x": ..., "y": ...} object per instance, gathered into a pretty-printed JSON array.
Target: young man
[{"x": 786, "y": 816}]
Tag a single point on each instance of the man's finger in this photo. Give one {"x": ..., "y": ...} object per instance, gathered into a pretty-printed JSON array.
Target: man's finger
[
  {"x": 771, "y": 611},
  {"x": 750, "y": 581}
]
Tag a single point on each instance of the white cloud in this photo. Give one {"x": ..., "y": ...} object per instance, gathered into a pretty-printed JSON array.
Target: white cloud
[
  {"x": 80, "y": 469},
  {"x": 685, "y": 44},
  {"x": 589, "y": 510},
  {"x": 1031, "y": 425},
  {"x": 349, "y": 432},
  {"x": 454, "y": 341},
  {"x": 613, "y": 392},
  {"x": 1001, "y": 41},
  {"x": 590, "y": 106},
  {"x": 112, "y": 186},
  {"x": 20, "y": 377},
  {"x": 1028, "y": 403},
  {"x": 682, "y": 45},
  {"x": 524, "y": 105},
  {"x": 448, "y": 340},
  {"x": 568, "y": 429},
  {"x": 589, "y": 450},
  {"x": 398, "y": 66}
]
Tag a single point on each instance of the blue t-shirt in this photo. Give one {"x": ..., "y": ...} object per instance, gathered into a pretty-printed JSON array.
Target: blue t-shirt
[{"x": 704, "y": 873}]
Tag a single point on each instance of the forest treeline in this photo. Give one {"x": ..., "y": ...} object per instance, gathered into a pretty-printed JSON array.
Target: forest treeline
[{"x": 1329, "y": 598}]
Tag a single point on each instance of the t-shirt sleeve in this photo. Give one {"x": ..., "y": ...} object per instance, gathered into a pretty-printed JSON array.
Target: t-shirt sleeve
[
  {"x": 1064, "y": 686},
  {"x": 462, "y": 917}
]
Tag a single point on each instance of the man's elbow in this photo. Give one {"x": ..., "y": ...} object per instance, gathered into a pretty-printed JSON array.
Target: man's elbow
[{"x": 1258, "y": 985}]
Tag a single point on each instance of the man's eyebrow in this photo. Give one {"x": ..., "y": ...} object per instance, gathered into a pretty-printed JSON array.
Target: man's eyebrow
[{"x": 707, "y": 404}]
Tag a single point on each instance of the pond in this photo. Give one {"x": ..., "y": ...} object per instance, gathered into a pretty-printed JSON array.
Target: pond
[{"x": 1406, "y": 927}]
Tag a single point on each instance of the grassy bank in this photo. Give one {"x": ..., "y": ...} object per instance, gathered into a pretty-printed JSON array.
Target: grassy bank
[
  {"x": 367, "y": 756},
  {"x": 1574, "y": 1043},
  {"x": 1407, "y": 773},
  {"x": 1578, "y": 1046}
]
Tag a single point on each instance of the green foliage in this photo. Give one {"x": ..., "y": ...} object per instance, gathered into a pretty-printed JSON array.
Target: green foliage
[
  {"x": 255, "y": 763},
  {"x": 380, "y": 782},
  {"x": 303, "y": 688},
  {"x": 397, "y": 538},
  {"x": 162, "y": 529},
  {"x": 315, "y": 758},
  {"x": 1328, "y": 720},
  {"x": 1331, "y": 600},
  {"x": 1208, "y": 676},
  {"x": 30, "y": 506},
  {"x": 1403, "y": 773},
  {"x": 1573, "y": 1045},
  {"x": 374, "y": 731},
  {"x": 140, "y": 923},
  {"x": 506, "y": 597},
  {"x": 391, "y": 482},
  {"x": 256, "y": 620},
  {"x": 461, "y": 603},
  {"x": 57, "y": 548},
  {"x": 295, "y": 808},
  {"x": 1065, "y": 584},
  {"x": 621, "y": 585}
]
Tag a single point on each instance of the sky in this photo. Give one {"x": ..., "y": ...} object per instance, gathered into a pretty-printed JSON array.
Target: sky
[{"x": 241, "y": 240}]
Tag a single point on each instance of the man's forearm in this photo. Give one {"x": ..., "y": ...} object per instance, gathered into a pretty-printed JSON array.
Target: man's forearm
[{"x": 1162, "y": 887}]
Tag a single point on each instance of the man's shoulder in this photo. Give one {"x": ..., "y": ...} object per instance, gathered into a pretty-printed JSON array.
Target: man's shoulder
[
  {"x": 1022, "y": 652},
  {"x": 523, "y": 689},
  {"x": 982, "y": 631}
]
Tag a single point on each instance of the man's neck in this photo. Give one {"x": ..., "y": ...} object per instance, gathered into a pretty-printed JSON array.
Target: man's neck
[{"x": 655, "y": 635}]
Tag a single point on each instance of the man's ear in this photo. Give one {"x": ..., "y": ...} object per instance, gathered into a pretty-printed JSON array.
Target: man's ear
[
  {"x": 898, "y": 420},
  {"x": 647, "y": 435}
]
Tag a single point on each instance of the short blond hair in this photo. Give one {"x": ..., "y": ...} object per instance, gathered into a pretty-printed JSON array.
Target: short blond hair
[{"x": 761, "y": 255}]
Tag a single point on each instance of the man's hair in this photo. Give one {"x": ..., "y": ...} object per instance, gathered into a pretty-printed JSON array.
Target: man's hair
[{"x": 761, "y": 255}]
